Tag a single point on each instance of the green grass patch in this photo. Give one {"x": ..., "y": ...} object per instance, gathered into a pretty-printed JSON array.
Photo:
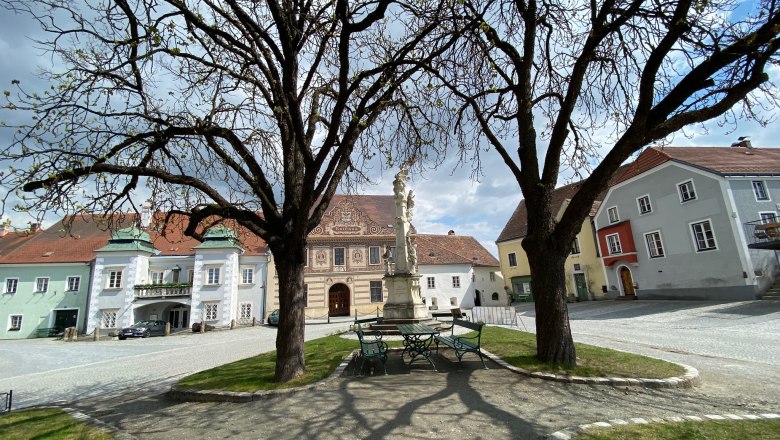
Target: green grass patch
[
  {"x": 716, "y": 429},
  {"x": 257, "y": 373},
  {"x": 519, "y": 349},
  {"x": 47, "y": 423}
]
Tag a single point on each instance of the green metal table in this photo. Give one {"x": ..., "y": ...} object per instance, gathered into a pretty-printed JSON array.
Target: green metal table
[{"x": 417, "y": 341}]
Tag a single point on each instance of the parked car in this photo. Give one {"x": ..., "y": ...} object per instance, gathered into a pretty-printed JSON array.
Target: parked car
[
  {"x": 143, "y": 329},
  {"x": 273, "y": 318}
]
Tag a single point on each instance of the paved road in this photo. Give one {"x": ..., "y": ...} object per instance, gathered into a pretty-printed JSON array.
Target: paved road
[{"x": 734, "y": 346}]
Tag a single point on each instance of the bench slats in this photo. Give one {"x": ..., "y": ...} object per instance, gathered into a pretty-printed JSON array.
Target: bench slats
[{"x": 463, "y": 344}]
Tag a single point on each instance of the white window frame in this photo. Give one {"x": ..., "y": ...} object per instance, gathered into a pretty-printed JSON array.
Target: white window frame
[
  {"x": 69, "y": 281},
  {"x": 431, "y": 281},
  {"x": 575, "y": 246},
  {"x": 245, "y": 310},
  {"x": 191, "y": 275},
  {"x": 691, "y": 227},
  {"x": 343, "y": 256},
  {"x": 156, "y": 277},
  {"x": 659, "y": 245},
  {"x": 108, "y": 318},
  {"x": 639, "y": 204},
  {"x": 765, "y": 220},
  {"x": 371, "y": 254},
  {"x": 762, "y": 185},
  {"x": 114, "y": 278},
  {"x": 614, "y": 245},
  {"x": 691, "y": 194},
  {"x": 16, "y": 285},
  {"x": 247, "y": 279},
  {"x": 11, "y": 326},
  {"x": 492, "y": 277},
  {"x": 456, "y": 282},
  {"x": 212, "y": 276},
  {"x": 512, "y": 256},
  {"x": 38, "y": 288},
  {"x": 613, "y": 215},
  {"x": 375, "y": 286},
  {"x": 211, "y": 311}
]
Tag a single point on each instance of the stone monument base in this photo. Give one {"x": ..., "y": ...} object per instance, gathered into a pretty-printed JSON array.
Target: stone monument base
[{"x": 403, "y": 298}]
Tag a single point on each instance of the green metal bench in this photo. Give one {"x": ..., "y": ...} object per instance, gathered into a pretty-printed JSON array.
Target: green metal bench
[
  {"x": 371, "y": 348},
  {"x": 46, "y": 332},
  {"x": 463, "y": 344}
]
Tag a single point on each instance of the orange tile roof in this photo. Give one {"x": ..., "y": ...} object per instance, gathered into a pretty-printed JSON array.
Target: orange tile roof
[
  {"x": 452, "y": 249},
  {"x": 172, "y": 241},
  {"x": 718, "y": 160}
]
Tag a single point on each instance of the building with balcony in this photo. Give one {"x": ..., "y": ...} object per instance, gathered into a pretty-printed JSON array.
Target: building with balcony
[{"x": 671, "y": 225}]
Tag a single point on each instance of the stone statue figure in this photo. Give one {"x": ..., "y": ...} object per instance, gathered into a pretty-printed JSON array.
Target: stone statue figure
[
  {"x": 387, "y": 257},
  {"x": 409, "y": 206},
  {"x": 412, "y": 256}
]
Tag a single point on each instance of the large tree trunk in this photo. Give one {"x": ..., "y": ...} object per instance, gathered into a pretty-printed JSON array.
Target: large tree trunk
[
  {"x": 290, "y": 360},
  {"x": 553, "y": 333}
]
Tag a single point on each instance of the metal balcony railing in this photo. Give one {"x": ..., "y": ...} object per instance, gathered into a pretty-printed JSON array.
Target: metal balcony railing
[
  {"x": 146, "y": 291},
  {"x": 762, "y": 234}
]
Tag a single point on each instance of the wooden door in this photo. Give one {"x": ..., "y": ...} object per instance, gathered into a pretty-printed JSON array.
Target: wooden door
[
  {"x": 627, "y": 281},
  {"x": 582, "y": 286},
  {"x": 338, "y": 300}
]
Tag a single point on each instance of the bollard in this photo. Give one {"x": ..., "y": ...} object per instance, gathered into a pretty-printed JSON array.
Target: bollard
[
  {"x": 232, "y": 324},
  {"x": 203, "y": 326},
  {"x": 254, "y": 322},
  {"x": 167, "y": 329},
  {"x": 74, "y": 334},
  {"x": 96, "y": 336},
  {"x": 328, "y": 316}
]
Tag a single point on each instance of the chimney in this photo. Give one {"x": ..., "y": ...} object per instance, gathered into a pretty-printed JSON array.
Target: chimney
[
  {"x": 146, "y": 215},
  {"x": 743, "y": 141},
  {"x": 451, "y": 232}
]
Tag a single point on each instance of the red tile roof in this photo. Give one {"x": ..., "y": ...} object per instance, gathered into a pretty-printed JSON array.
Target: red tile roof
[
  {"x": 452, "y": 249},
  {"x": 719, "y": 160},
  {"x": 172, "y": 241}
]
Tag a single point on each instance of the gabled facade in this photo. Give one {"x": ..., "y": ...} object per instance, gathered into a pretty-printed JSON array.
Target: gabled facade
[
  {"x": 670, "y": 227},
  {"x": 46, "y": 277},
  {"x": 584, "y": 275},
  {"x": 156, "y": 273}
]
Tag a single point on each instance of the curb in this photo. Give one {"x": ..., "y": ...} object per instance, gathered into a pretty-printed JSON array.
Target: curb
[
  {"x": 687, "y": 380},
  {"x": 574, "y": 431},
  {"x": 191, "y": 395},
  {"x": 91, "y": 421}
]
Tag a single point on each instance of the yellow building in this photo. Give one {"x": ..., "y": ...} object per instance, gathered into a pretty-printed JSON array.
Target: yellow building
[{"x": 584, "y": 272}]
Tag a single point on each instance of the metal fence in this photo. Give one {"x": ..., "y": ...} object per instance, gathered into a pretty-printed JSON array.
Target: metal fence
[
  {"x": 6, "y": 399},
  {"x": 496, "y": 315}
]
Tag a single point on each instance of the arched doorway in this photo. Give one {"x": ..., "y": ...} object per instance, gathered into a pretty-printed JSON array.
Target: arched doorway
[
  {"x": 338, "y": 300},
  {"x": 626, "y": 281}
]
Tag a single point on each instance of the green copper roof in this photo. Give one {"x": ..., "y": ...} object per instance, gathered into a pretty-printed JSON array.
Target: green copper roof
[
  {"x": 129, "y": 239},
  {"x": 219, "y": 237}
]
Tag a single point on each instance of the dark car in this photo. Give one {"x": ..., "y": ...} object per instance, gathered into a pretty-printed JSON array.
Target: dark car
[
  {"x": 273, "y": 318},
  {"x": 143, "y": 329}
]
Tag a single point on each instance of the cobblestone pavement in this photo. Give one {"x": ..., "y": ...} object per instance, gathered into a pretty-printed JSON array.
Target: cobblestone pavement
[{"x": 734, "y": 346}]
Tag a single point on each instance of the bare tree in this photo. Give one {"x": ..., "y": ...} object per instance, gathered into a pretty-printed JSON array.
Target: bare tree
[
  {"x": 235, "y": 110},
  {"x": 552, "y": 85}
]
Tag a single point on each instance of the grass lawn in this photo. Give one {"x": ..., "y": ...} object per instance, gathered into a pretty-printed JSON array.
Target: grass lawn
[
  {"x": 517, "y": 348},
  {"x": 47, "y": 423},
  {"x": 716, "y": 429}
]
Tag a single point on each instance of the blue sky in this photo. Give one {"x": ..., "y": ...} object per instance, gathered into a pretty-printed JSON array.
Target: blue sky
[{"x": 446, "y": 198}]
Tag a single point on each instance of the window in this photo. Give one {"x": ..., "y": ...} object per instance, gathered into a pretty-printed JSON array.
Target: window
[
  {"x": 431, "y": 282},
  {"x": 109, "y": 319},
  {"x": 703, "y": 236},
  {"x": 211, "y": 311},
  {"x": 613, "y": 241},
  {"x": 614, "y": 217},
  {"x": 768, "y": 217},
  {"x": 41, "y": 285},
  {"x": 11, "y": 284},
  {"x": 456, "y": 282},
  {"x": 246, "y": 311},
  {"x": 247, "y": 275},
  {"x": 74, "y": 283},
  {"x": 644, "y": 205},
  {"x": 114, "y": 279},
  {"x": 494, "y": 296},
  {"x": 374, "y": 256},
  {"x": 190, "y": 275},
  {"x": 338, "y": 257},
  {"x": 212, "y": 276},
  {"x": 687, "y": 192},
  {"x": 306, "y": 295},
  {"x": 654, "y": 246},
  {"x": 392, "y": 254},
  {"x": 376, "y": 291},
  {"x": 157, "y": 277},
  {"x": 15, "y": 323},
  {"x": 492, "y": 277},
  {"x": 759, "y": 189},
  {"x": 575, "y": 246},
  {"x": 512, "y": 259}
]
